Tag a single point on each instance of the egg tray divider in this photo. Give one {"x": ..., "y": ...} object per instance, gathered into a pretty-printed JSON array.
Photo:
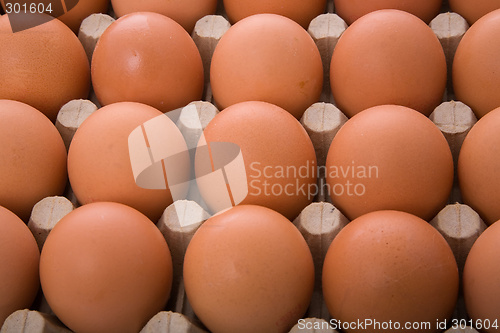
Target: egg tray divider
[{"x": 319, "y": 222}]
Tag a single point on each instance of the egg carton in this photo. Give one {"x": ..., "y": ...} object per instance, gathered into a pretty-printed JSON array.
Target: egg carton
[{"x": 319, "y": 222}]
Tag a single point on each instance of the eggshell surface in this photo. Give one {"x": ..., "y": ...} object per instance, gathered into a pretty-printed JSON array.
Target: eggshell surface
[
  {"x": 105, "y": 267},
  {"x": 147, "y": 58},
  {"x": 478, "y": 165},
  {"x": 279, "y": 158},
  {"x": 32, "y": 158},
  {"x": 270, "y": 58},
  {"x": 248, "y": 269},
  {"x": 99, "y": 162},
  {"x": 473, "y": 10},
  {"x": 19, "y": 259},
  {"x": 186, "y": 13},
  {"x": 84, "y": 8},
  {"x": 389, "y": 158},
  {"x": 476, "y": 69},
  {"x": 351, "y": 10},
  {"x": 45, "y": 66},
  {"x": 388, "y": 57},
  {"x": 301, "y": 12},
  {"x": 481, "y": 279},
  {"x": 390, "y": 266}
]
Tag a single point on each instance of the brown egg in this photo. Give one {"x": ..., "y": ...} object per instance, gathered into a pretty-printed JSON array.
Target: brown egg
[
  {"x": 248, "y": 269},
  {"x": 19, "y": 257},
  {"x": 45, "y": 66},
  {"x": 386, "y": 269},
  {"x": 270, "y": 58},
  {"x": 481, "y": 279},
  {"x": 478, "y": 165},
  {"x": 351, "y": 10},
  {"x": 300, "y": 11},
  {"x": 147, "y": 58},
  {"x": 476, "y": 69},
  {"x": 473, "y": 10},
  {"x": 84, "y": 8},
  {"x": 105, "y": 267},
  {"x": 32, "y": 158},
  {"x": 279, "y": 158},
  {"x": 184, "y": 12},
  {"x": 388, "y": 57},
  {"x": 99, "y": 162},
  {"x": 389, "y": 158}
]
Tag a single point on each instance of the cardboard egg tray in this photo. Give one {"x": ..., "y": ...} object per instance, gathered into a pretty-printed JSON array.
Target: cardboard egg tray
[{"x": 319, "y": 222}]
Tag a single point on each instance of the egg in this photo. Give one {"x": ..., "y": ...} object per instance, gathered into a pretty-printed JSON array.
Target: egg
[
  {"x": 478, "y": 162},
  {"x": 481, "y": 279},
  {"x": 83, "y": 8},
  {"x": 351, "y": 10},
  {"x": 386, "y": 269},
  {"x": 147, "y": 58},
  {"x": 105, "y": 267},
  {"x": 186, "y": 13},
  {"x": 44, "y": 66},
  {"x": 248, "y": 269},
  {"x": 476, "y": 69},
  {"x": 270, "y": 58},
  {"x": 389, "y": 157},
  {"x": 32, "y": 158},
  {"x": 19, "y": 258},
  {"x": 301, "y": 12},
  {"x": 279, "y": 160},
  {"x": 99, "y": 160},
  {"x": 388, "y": 57},
  {"x": 473, "y": 11}
]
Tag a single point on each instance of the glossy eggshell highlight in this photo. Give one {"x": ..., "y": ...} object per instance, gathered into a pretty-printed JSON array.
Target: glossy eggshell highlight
[
  {"x": 184, "y": 12},
  {"x": 351, "y": 10},
  {"x": 19, "y": 259},
  {"x": 148, "y": 58},
  {"x": 478, "y": 165},
  {"x": 481, "y": 278},
  {"x": 389, "y": 158},
  {"x": 270, "y": 58},
  {"x": 476, "y": 69},
  {"x": 32, "y": 158},
  {"x": 271, "y": 142},
  {"x": 99, "y": 163},
  {"x": 390, "y": 266},
  {"x": 105, "y": 267},
  {"x": 300, "y": 11},
  {"x": 248, "y": 269},
  {"x": 388, "y": 57},
  {"x": 84, "y": 8},
  {"x": 45, "y": 66},
  {"x": 473, "y": 10}
]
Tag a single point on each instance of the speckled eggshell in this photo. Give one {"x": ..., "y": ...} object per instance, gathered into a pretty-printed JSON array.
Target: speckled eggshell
[
  {"x": 105, "y": 267},
  {"x": 32, "y": 158},
  {"x": 389, "y": 157},
  {"x": 300, "y": 11},
  {"x": 351, "y": 10},
  {"x": 278, "y": 155},
  {"x": 19, "y": 258},
  {"x": 481, "y": 279},
  {"x": 147, "y": 58},
  {"x": 248, "y": 269},
  {"x": 270, "y": 58},
  {"x": 478, "y": 165},
  {"x": 184, "y": 12},
  {"x": 476, "y": 69},
  {"x": 388, "y": 57},
  {"x": 44, "y": 66},
  {"x": 390, "y": 266}
]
